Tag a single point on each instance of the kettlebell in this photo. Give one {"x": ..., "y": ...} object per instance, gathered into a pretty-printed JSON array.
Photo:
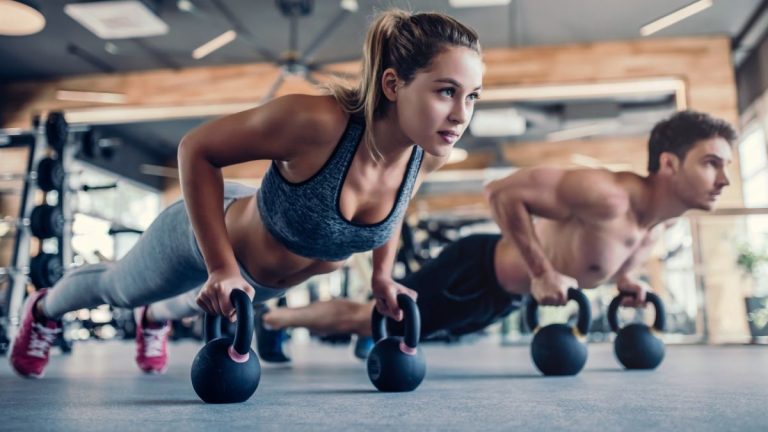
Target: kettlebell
[
  {"x": 227, "y": 371},
  {"x": 396, "y": 364},
  {"x": 559, "y": 349},
  {"x": 636, "y": 345}
]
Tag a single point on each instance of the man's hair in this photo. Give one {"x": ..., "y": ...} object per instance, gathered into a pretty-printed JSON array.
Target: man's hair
[{"x": 680, "y": 132}]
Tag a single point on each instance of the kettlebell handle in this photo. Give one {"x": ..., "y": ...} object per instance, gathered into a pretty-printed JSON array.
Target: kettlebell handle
[
  {"x": 244, "y": 329},
  {"x": 613, "y": 310},
  {"x": 585, "y": 311},
  {"x": 411, "y": 322}
]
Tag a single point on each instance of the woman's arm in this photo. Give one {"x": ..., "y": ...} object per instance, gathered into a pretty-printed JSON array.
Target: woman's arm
[{"x": 283, "y": 129}]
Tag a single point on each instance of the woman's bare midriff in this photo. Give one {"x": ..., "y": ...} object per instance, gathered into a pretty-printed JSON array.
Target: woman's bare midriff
[{"x": 265, "y": 258}]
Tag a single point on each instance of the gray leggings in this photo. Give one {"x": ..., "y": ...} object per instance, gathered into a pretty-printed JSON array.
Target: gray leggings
[{"x": 165, "y": 269}]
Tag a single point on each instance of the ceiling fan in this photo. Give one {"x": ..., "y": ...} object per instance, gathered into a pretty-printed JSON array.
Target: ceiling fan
[{"x": 292, "y": 61}]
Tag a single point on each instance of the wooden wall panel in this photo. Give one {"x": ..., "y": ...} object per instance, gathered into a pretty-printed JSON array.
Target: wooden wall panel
[{"x": 703, "y": 63}]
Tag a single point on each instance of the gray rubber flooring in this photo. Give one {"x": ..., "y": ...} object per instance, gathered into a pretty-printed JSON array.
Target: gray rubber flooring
[{"x": 479, "y": 386}]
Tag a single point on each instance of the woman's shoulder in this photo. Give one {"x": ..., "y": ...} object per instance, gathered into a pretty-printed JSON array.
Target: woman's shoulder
[{"x": 312, "y": 118}]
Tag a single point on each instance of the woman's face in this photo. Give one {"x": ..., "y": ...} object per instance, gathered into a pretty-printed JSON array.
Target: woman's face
[{"x": 435, "y": 108}]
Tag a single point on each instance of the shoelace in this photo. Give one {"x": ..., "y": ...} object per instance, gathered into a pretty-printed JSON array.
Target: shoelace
[
  {"x": 153, "y": 341},
  {"x": 41, "y": 339}
]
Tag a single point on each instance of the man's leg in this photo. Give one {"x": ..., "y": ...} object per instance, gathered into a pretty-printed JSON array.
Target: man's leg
[{"x": 325, "y": 317}]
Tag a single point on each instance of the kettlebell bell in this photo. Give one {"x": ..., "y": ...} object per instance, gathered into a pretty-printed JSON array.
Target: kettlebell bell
[
  {"x": 559, "y": 349},
  {"x": 227, "y": 371},
  {"x": 636, "y": 345},
  {"x": 396, "y": 364}
]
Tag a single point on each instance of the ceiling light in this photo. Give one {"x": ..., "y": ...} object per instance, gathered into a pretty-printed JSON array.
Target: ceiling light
[
  {"x": 85, "y": 96},
  {"x": 590, "y": 162},
  {"x": 111, "y": 48},
  {"x": 349, "y": 5},
  {"x": 477, "y": 3},
  {"x": 646, "y": 87},
  {"x": 185, "y": 5},
  {"x": 214, "y": 44},
  {"x": 675, "y": 17},
  {"x": 581, "y": 131},
  {"x": 118, "y": 19},
  {"x": 20, "y": 18}
]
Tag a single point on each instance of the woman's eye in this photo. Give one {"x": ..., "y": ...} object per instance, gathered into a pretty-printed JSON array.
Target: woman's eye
[{"x": 448, "y": 92}]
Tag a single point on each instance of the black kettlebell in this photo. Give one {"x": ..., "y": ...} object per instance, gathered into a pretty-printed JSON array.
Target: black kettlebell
[
  {"x": 559, "y": 349},
  {"x": 396, "y": 364},
  {"x": 225, "y": 371},
  {"x": 636, "y": 345}
]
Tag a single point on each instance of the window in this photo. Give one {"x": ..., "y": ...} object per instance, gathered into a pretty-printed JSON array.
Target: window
[{"x": 753, "y": 158}]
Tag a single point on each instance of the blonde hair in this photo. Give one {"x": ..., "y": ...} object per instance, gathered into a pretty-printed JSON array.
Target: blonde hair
[{"x": 406, "y": 42}]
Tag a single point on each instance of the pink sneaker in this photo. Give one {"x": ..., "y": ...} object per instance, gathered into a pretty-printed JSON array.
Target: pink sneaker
[
  {"x": 151, "y": 344},
  {"x": 30, "y": 349}
]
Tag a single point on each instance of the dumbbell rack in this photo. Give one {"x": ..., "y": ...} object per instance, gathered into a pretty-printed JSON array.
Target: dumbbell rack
[
  {"x": 54, "y": 134},
  {"x": 20, "y": 251}
]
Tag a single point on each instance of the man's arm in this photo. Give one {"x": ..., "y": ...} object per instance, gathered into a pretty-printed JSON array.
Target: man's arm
[
  {"x": 556, "y": 194},
  {"x": 625, "y": 282}
]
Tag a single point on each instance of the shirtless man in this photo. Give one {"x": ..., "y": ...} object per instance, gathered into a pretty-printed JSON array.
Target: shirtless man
[{"x": 592, "y": 226}]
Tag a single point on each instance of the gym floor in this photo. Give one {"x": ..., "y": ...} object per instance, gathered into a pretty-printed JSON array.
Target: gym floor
[{"x": 477, "y": 386}]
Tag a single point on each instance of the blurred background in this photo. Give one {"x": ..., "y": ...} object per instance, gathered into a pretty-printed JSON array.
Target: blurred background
[{"x": 570, "y": 83}]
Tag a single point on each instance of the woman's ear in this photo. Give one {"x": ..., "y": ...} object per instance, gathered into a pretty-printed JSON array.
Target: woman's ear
[{"x": 390, "y": 83}]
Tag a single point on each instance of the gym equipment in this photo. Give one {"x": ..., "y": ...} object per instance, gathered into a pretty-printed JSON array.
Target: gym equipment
[
  {"x": 559, "y": 349},
  {"x": 94, "y": 145},
  {"x": 50, "y": 174},
  {"x": 636, "y": 345},
  {"x": 227, "y": 371},
  {"x": 396, "y": 364},
  {"x": 46, "y": 221},
  {"x": 45, "y": 270},
  {"x": 56, "y": 130}
]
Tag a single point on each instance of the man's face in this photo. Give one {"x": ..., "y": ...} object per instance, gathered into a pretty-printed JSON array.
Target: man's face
[{"x": 702, "y": 174}]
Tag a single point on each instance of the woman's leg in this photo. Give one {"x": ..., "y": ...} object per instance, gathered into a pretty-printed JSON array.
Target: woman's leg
[{"x": 164, "y": 262}]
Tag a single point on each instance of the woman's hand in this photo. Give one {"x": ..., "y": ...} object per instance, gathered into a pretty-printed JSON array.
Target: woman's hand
[
  {"x": 385, "y": 291},
  {"x": 214, "y": 296}
]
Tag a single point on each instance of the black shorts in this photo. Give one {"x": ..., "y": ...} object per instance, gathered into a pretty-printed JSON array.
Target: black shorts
[{"x": 458, "y": 290}]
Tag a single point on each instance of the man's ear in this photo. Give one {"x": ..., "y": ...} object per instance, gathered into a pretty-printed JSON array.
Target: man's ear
[
  {"x": 669, "y": 163},
  {"x": 390, "y": 83}
]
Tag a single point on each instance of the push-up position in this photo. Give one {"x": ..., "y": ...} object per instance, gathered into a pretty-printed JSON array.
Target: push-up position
[
  {"x": 592, "y": 226},
  {"x": 344, "y": 168}
]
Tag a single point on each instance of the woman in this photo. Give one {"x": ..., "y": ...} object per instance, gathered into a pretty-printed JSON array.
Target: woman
[{"x": 345, "y": 166}]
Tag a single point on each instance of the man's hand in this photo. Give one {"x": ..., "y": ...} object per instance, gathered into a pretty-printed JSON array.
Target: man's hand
[
  {"x": 551, "y": 288},
  {"x": 636, "y": 288}
]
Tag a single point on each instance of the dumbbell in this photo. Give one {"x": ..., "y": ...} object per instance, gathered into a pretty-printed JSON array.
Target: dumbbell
[
  {"x": 49, "y": 175},
  {"x": 559, "y": 349},
  {"x": 45, "y": 270},
  {"x": 92, "y": 144},
  {"x": 44, "y": 222},
  {"x": 637, "y": 345},
  {"x": 56, "y": 131}
]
